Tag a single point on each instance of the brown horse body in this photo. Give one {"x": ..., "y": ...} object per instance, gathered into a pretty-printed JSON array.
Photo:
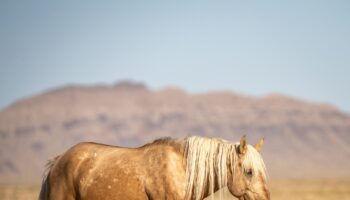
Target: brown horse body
[{"x": 91, "y": 171}]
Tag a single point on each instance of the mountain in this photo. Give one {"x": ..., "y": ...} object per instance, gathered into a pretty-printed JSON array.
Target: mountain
[{"x": 302, "y": 139}]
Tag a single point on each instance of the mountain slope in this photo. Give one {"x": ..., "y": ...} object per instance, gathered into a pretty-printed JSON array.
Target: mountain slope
[{"x": 303, "y": 139}]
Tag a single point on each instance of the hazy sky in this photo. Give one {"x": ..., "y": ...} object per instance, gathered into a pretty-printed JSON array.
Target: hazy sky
[{"x": 299, "y": 48}]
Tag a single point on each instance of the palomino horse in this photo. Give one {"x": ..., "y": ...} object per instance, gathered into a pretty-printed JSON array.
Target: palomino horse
[{"x": 180, "y": 169}]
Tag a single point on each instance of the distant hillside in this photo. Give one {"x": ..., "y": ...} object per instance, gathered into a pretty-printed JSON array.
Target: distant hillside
[{"x": 303, "y": 139}]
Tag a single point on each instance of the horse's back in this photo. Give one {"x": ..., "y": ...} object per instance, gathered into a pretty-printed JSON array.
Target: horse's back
[{"x": 96, "y": 171}]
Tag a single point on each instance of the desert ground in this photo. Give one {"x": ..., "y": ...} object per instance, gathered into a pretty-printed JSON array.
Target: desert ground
[{"x": 330, "y": 189}]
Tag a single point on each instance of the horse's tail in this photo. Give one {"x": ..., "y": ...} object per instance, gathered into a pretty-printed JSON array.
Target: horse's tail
[{"x": 45, "y": 187}]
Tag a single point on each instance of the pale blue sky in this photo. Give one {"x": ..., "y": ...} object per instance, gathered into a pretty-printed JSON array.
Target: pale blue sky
[{"x": 298, "y": 48}]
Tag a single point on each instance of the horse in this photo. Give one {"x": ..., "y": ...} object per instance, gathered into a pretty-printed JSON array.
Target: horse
[{"x": 190, "y": 168}]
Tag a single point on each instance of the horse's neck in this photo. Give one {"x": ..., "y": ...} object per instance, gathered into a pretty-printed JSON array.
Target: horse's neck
[{"x": 208, "y": 190}]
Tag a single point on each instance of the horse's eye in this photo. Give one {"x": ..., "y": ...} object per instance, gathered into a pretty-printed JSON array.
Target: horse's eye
[{"x": 249, "y": 173}]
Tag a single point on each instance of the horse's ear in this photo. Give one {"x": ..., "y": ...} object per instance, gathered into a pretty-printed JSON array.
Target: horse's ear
[
  {"x": 242, "y": 145},
  {"x": 259, "y": 145}
]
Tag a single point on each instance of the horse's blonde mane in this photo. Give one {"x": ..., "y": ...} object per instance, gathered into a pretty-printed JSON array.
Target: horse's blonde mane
[{"x": 207, "y": 161}]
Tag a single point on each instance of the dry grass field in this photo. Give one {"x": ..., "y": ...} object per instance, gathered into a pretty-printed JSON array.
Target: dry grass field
[
  {"x": 280, "y": 190},
  {"x": 307, "y": 190},
  {"x": 310, "y": 189},
  {"x": 19, "y": 192}
]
